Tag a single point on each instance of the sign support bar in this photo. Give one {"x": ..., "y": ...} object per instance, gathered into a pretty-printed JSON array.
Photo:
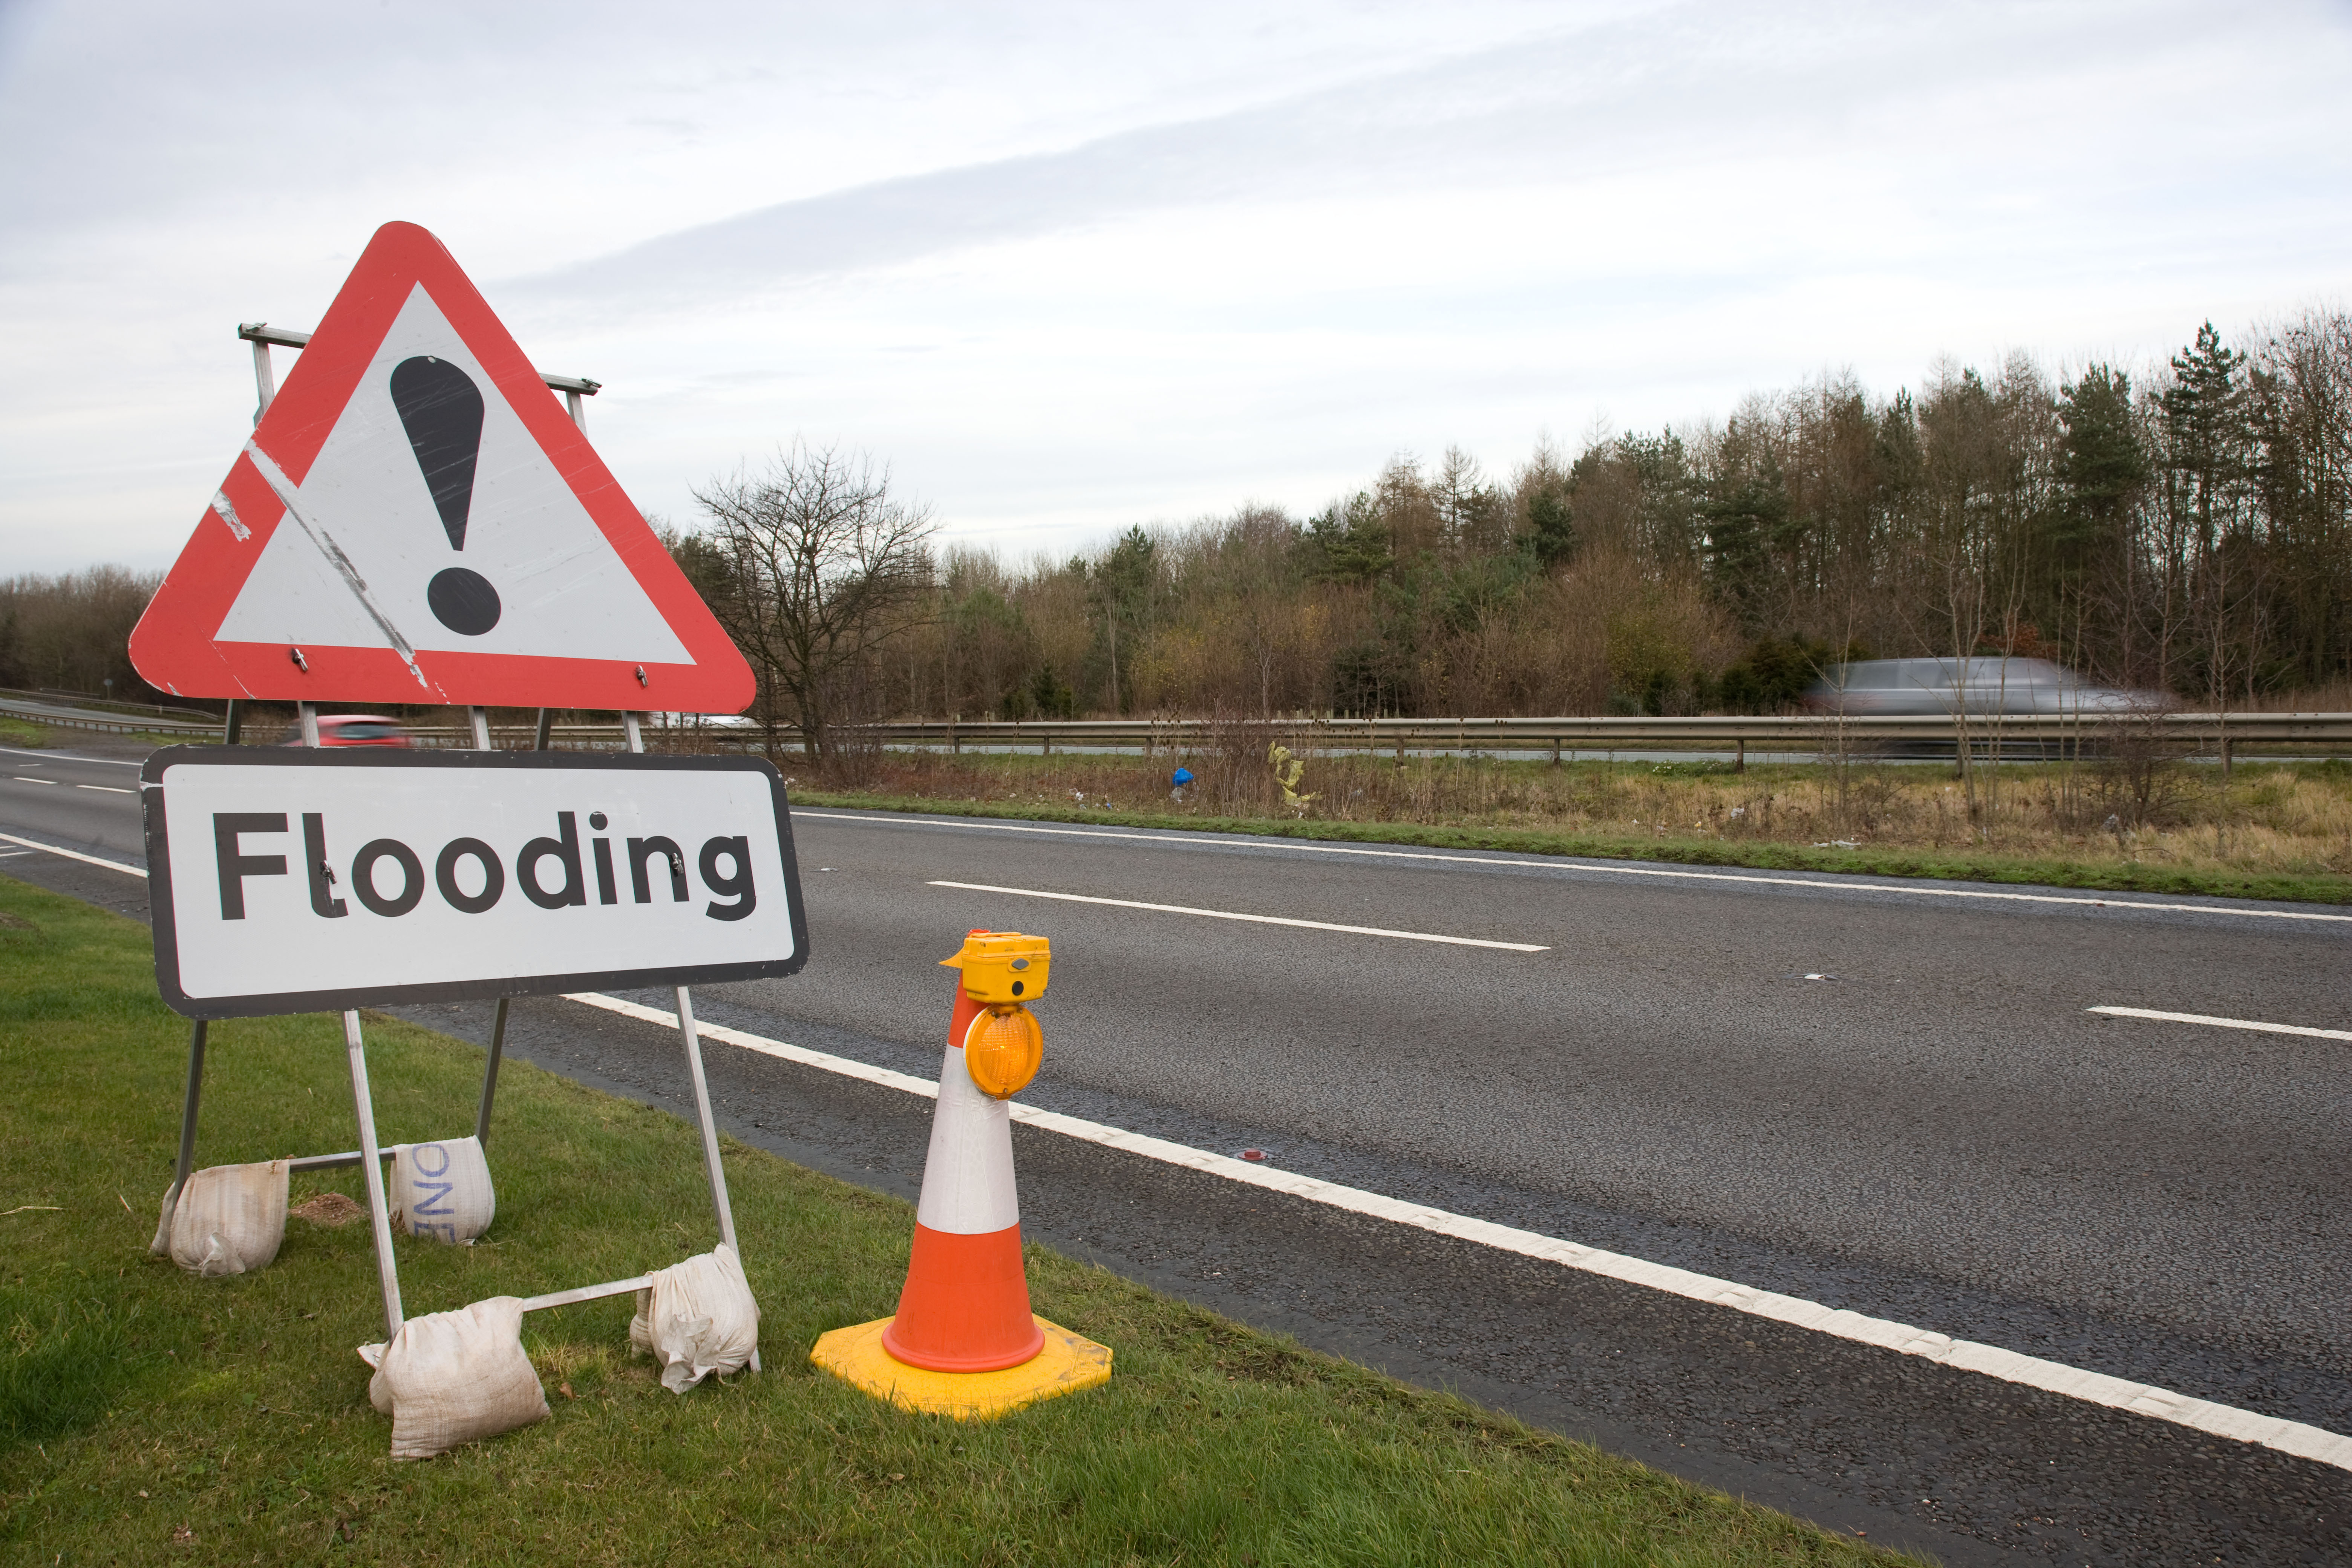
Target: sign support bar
[
  {"x": 387, "y": 1271},
  {"x": 693, "y": 1040},
  {"x": 499, "y": 1019},
  {"x": 261, "y": 334},
  {"x": 187, "y": 1165}
]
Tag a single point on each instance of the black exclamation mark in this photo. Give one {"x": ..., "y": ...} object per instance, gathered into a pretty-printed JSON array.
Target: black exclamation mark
[{"x": 441, "y": 409}]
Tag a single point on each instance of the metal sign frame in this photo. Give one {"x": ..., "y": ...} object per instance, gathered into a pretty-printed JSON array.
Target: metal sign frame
[{"x": 369, "y": 1156}]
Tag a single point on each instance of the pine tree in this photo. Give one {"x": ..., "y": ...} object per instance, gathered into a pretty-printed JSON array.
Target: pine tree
[{"x": 2206, "y": 433}]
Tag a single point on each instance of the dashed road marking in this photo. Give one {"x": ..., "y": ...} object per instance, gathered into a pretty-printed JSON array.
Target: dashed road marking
[
  {"x": 1255, "y": 919},
  {"x": 2210, "y": 1022}
]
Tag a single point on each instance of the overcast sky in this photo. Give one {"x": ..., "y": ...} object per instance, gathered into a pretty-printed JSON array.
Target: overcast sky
[{"x": 1066, "y": 267}]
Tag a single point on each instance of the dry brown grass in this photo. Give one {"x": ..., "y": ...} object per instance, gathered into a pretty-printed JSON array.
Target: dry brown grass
[{"x": 2288, "y": 819}]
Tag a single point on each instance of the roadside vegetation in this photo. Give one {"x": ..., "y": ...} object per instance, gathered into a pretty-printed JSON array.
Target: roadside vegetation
[
  {"x": 2182, "y": 528},
  {"x": 2274, "y": 831},
  {"x": 149, "y": 1416}
]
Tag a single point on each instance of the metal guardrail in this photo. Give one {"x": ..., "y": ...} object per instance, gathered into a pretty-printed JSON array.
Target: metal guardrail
[
  {"x": 97, "y": 701},
  {"x": 1783, "y": 732},
  {"x": 117, "y": 726},
  {"x": 1791, "y": 732}
]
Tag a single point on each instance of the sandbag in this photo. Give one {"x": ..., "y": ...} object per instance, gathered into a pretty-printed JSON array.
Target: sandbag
[
  {"x": 229, "y": 1218},
  {"x": 697, "y": 1317},
  {"x": 449, "y": 1378},
  {"x": 442, "y": 1190}
]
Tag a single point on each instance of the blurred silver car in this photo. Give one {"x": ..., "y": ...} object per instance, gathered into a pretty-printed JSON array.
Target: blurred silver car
[{"x": 1945, "y": 687}]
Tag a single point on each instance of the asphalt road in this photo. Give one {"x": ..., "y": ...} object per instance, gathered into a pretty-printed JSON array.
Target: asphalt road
[{"x": 1935, "y": 1132}]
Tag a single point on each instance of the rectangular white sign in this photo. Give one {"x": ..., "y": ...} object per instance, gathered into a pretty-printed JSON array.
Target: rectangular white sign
[{"x": 299, "y": 880}]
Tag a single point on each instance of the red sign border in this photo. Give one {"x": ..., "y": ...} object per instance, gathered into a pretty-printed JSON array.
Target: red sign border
[{"x": 174, "y": 647}]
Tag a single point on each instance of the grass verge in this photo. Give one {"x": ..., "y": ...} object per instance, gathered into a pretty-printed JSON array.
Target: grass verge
[
  {"x": 1871, "y": 860},
  {"x": 146, "y": 1415}
]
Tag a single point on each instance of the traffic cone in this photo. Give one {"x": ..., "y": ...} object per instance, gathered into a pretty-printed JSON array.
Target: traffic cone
[
  {"x": 965, "y": 1307},
  {"x": 963, "y": 1341}
]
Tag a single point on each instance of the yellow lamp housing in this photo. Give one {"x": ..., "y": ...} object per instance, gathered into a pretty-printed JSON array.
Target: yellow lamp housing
[
  {"x": 1003, "y": 968},
  {"x": 1002, "y": 1050}
]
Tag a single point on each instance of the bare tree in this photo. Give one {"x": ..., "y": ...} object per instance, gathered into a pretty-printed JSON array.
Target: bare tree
[{"x": 821, "y": 569}]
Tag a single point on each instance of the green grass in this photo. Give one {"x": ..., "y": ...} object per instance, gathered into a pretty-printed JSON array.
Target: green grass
[
  {"x": 21, "y": 732},
  {"x": 138, "y": 1401},
  {"x": 1957, "y": 865}
]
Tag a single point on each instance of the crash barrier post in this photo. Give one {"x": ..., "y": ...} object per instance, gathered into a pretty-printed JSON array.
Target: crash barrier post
[{"x": 963, "y": 1341}]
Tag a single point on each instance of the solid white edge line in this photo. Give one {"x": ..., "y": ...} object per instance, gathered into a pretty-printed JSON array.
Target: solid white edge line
[
  {"x": 2054, "y": 1377},
  {"x": 1255, "y": 919},
  {"x": 74, "y": 854},
  {"x": 2254, "y": 1025},
  {"x": 1922, "y": 889}
]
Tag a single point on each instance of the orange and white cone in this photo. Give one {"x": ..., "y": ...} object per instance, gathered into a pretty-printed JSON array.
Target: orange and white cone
[
  {"x": 964, "y": 1343},
  {"x": 965, "y": 1307}
]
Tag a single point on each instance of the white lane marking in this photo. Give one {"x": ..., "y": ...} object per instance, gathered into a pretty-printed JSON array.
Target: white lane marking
[
  {"x": 22, "y": 779},
  {"x": 12, "y": 854},
  {"x": 73, "y": 854},
  {"x": 1921, "y": 888},
  {"x": 2092, "y": 1387},
  {"x": 111, "y": 789},
  {"x": 2253, "y": 1025},
  {"x": 1255, "y": 919},
  {"x": 67, "y": 757}
]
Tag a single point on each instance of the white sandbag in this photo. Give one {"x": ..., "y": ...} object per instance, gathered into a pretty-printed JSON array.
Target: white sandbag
[
  {"x": 230, "y": 1218},
  {"x": 449, "y": 1378},
  {"x": 696, "y": 1319},
  {"x": 442, "y": 1190}
]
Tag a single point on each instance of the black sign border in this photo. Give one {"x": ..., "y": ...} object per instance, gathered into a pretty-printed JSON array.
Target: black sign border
[{"x": 154, "y": 813}]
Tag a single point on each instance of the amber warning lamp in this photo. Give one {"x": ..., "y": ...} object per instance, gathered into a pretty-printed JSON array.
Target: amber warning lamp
[{"x": 1003, "y": 970}]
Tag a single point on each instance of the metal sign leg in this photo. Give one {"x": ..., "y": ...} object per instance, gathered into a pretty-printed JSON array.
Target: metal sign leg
[
  {"x": 710, "y": 1133},
  {"x": 372, "y": 1167},
  {"x": 163, "y": 1242},
  {"x": 479, "y": 718},
  {"x": 702, "y": 1111},
  {"x": 490, "y": 1074},
  {"x": 630, "y": 723}
]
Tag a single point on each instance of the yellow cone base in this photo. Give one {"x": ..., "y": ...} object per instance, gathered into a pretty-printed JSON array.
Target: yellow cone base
[{"x": 1068, "y": 1363}]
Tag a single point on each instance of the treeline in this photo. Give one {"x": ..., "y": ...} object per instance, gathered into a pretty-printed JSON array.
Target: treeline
[
  {"x": 72, "y": 633},
  {"x": 2187, "y": 530}
]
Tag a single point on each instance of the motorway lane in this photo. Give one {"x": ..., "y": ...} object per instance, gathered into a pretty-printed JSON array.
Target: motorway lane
[
  {"x": 83, "y": 800},
  {"x": 1936, "y": 1131},
  {"x": 1938, "y": 1135},
  {"x": 1942, "y": 1116}
]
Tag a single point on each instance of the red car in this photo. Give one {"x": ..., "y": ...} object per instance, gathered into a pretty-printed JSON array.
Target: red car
[{"x": 355, "y": 729}]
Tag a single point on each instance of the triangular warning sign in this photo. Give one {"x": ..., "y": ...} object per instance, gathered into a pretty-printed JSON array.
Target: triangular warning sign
[{"x": 417, "y": 517}]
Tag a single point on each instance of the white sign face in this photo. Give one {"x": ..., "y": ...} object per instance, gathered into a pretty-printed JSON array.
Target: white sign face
[
  {"x": 365, "y": 518},
  {"x": 299, "y": 880}
]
